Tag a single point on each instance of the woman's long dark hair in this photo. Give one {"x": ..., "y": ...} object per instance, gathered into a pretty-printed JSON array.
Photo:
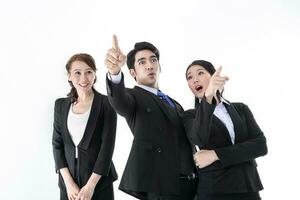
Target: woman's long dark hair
[
  {"x": 87, "y": 59},
  {"x": 210, "y": 69}
]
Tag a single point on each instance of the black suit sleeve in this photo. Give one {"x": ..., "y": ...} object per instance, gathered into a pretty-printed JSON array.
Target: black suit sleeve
[
  {"x": 123, "y": 102},
  {"x": 187, "y": 118},
  {"x": 57, "y": 139},
  {"x": 248, "y": 150},
  {"x": 201, "y": 126},
  {"x": 104, "y": 159}
]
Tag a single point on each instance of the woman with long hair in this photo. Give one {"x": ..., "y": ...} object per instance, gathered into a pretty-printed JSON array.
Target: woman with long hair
[
  {"x": 226, "y": 137},
  {"x": 84, "y": 136}
]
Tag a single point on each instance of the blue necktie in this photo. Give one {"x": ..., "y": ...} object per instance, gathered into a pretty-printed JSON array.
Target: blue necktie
[{"x": 165, "y": 98}]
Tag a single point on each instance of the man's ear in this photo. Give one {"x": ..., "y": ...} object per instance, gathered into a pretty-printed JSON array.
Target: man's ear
[{"x": 132, "y": 73}]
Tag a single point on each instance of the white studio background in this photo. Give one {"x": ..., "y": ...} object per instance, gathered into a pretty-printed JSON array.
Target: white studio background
[{"x": 256, "y": 41}]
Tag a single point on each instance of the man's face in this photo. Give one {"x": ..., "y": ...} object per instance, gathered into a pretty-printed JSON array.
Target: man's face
[{"x": 146, "y": 68}]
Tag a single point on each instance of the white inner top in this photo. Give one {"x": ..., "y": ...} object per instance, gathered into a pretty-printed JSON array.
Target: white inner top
[
  {"x": 76, "y": 125},
  {"x": 221, "y": 112}
]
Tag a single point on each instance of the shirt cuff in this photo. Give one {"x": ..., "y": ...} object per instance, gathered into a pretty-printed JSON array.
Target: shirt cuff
[{"x": 116, "y": 79}]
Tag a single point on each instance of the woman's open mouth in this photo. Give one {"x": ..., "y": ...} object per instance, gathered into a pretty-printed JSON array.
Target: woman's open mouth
[{"x": 198, "y": 88}]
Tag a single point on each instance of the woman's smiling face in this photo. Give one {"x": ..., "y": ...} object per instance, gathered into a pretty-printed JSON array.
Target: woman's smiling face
[{"x": 82, "y": 76}]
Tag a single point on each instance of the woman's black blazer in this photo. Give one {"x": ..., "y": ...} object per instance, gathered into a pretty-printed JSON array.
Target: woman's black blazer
[
  {"x": 96, "y": 148},
  {"x": 236, "y": 171}
]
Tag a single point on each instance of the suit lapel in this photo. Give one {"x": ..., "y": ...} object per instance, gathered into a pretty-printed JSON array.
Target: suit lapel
[
  {"x": 236, "y": 120},
  {"x": 167, "y": 110},
  {"x": 92, "y": 122},
  {"x": 222, "y": 127},
  {"x": 177, "y": 105},
  {"x": 65, "y": 112}
]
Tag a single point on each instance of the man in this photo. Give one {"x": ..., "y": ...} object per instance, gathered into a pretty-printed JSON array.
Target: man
[{"x": 160, "y": 164}]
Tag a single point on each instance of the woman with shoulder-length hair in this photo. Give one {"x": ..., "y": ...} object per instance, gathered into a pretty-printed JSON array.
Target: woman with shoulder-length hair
[
  {"x": 84, "y": 136},
  {"x": 226, "y": 136}
]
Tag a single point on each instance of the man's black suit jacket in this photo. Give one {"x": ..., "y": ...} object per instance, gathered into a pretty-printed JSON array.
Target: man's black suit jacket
[{"x": 160, "y": 150}]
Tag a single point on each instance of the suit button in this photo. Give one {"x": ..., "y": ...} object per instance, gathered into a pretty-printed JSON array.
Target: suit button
[
  {"x": 158, "y": 150},
  {"x": 148, "y": 110}
]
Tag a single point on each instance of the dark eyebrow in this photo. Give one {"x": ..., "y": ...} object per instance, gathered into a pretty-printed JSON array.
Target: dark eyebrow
[
  {"x": 154, "y": 56},
  {"x": 200, "y": 70},
  {"x": 196, "y": 71},
  {"x": 87, "y": 69},
  {"x": 143, "y": 58}
]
